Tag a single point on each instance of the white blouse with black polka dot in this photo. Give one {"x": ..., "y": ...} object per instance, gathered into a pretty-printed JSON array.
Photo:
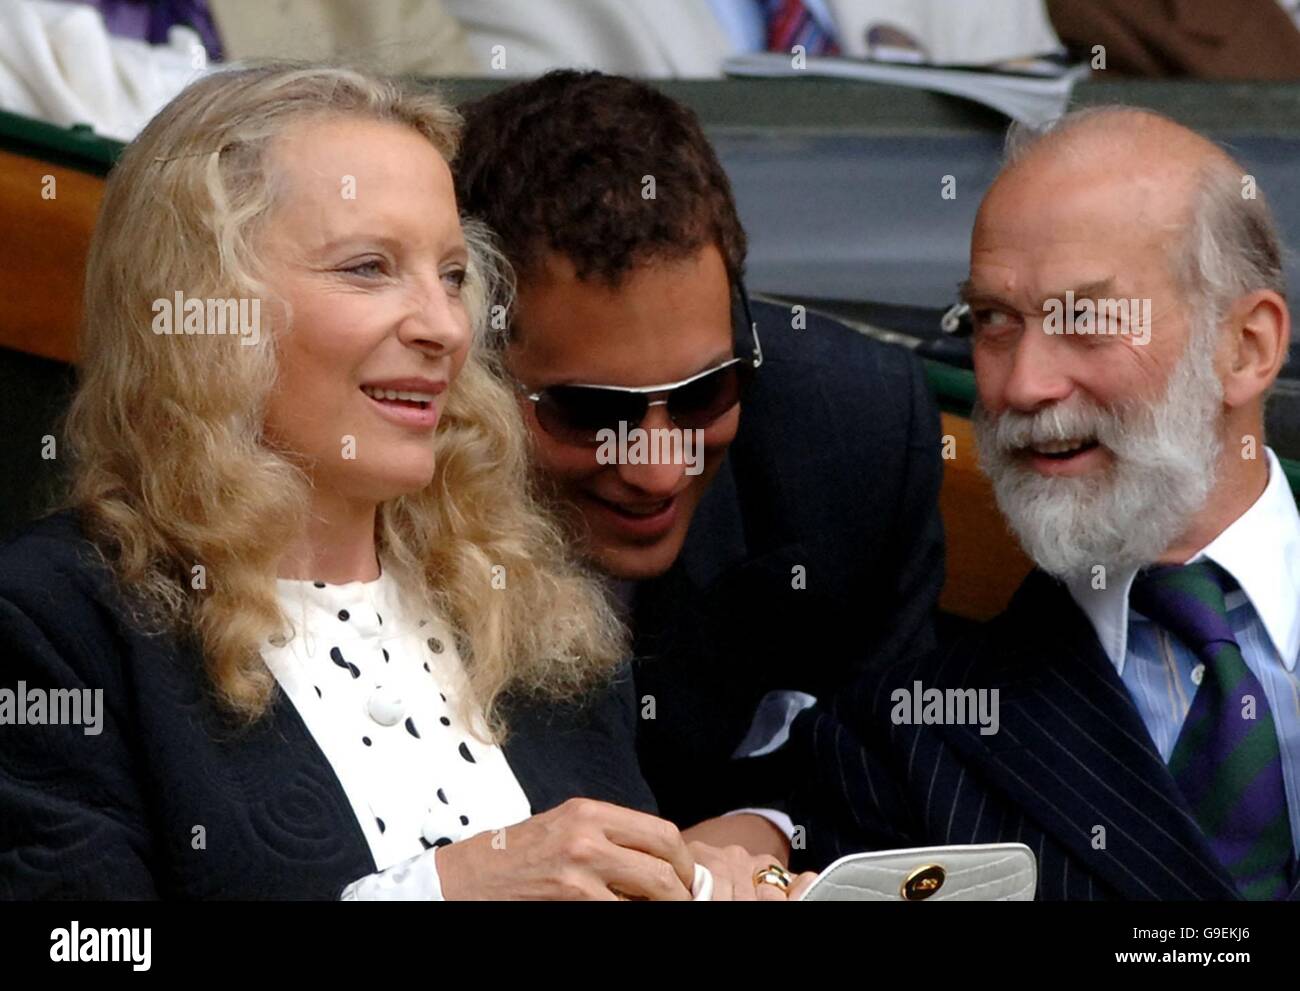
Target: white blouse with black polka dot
[{"x": 377, "y": 684}]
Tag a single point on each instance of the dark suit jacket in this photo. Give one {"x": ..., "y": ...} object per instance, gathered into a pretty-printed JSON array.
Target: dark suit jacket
[
  {"x": 113, "y": 815},
  {"x": 1071, "y": 768},
  {"x": 835, "y": 469},
  {"x": 1203, "y": 39}
]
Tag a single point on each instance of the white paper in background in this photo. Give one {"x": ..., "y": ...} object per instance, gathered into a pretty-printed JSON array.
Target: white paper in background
[{"x": 1032, "y": 100}]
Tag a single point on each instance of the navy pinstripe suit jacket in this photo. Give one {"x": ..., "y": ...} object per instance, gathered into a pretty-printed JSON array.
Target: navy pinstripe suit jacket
[
  {"x": 1071, "y": 772},
  {"x": 835, "y": 469}
]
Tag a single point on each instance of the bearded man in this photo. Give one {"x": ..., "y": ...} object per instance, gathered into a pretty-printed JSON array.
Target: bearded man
[{"x": 1145, "y": 739}]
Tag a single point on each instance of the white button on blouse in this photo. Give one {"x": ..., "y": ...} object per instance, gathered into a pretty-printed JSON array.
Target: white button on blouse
[{"x": 377, "y": 684}]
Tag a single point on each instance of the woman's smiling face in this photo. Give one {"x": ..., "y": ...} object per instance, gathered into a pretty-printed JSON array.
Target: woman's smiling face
[{"x": 365, "y": 246}]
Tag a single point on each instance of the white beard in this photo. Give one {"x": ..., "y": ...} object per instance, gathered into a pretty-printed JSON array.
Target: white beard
[{"x": 1165, "y": 461}]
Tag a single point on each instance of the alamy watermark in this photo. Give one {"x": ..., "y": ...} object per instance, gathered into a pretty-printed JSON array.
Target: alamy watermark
[
  {"x": 1131, "y": 317},
  {"x": 657, "y": 446},
  {"x": 920, "y": 706},
  {"x": 93, "y": 945},
  {"x": 25, "y": 706},
  {"x": 193, "y": 316}
]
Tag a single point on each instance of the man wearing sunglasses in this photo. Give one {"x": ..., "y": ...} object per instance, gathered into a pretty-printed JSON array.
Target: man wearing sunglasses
[{"x": 805, "y": 544}]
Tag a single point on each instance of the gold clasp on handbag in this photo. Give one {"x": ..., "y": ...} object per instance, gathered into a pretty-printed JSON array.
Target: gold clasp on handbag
[{"x": 922, "y": 883}]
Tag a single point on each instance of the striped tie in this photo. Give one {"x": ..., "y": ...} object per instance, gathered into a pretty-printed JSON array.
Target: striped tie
[
  {"x": 790, "y": 23},
  {"x": 1226, "y": 761}
]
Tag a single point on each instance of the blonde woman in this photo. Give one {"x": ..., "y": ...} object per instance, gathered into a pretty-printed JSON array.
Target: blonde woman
[{"x": 319, "y": 640}]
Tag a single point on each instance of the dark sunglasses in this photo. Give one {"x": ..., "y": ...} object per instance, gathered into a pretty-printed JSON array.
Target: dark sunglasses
[{"x": 577, "y": 413}]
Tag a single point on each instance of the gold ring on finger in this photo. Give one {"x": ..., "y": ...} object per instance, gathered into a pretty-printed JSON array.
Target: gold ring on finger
[{"x": 774, "y": 874}]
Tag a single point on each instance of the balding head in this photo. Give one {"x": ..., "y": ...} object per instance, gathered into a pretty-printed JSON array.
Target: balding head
[
  {"x": 1218, "y": 233},
  {"x": 1113, "y": 435},
  {"x": 1085, "y": 136}
]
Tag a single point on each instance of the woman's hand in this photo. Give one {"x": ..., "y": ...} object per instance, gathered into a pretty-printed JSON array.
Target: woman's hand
[
  {"x": 734, "y": 868},
  {"x": 583, "y": 849}
]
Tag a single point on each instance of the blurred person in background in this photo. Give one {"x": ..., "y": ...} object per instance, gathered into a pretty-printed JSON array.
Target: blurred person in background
[
  {"x": 113, "y": 64},
  {"x": 1190, "y": 39}
]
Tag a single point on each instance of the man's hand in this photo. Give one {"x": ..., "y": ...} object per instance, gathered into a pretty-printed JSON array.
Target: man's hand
[
  {"x": 753, "y": 832},
  {"x": 800, "y": 885},
  {"x": 733, "y": 869},
  {"x": 582, "y": 849}
]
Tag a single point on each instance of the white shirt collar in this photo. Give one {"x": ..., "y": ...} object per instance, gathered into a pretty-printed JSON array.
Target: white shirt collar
[{"x": 1260, "y": 549}]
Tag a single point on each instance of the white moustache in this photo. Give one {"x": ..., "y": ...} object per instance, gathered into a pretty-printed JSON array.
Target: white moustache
[{"x": 1070, "y": 420}]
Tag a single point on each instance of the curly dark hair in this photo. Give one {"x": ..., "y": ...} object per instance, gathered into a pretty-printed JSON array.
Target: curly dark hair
[{"x": 558, "y": 164}]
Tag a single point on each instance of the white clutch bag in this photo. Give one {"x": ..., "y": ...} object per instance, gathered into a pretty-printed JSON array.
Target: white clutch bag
[{"x": 987, "y": 872}]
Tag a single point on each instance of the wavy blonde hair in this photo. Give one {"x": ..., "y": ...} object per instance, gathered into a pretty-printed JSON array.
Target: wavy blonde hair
[{"x": 171, "y": 467}]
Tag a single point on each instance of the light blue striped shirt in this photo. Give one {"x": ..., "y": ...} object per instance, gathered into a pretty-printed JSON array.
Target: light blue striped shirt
[{"x": 1261, "y": 550}]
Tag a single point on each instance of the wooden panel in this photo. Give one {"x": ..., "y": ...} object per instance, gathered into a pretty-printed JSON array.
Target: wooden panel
[
  {"x": 43, "y": 249},
  {"x": 985, "y": 564}
]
